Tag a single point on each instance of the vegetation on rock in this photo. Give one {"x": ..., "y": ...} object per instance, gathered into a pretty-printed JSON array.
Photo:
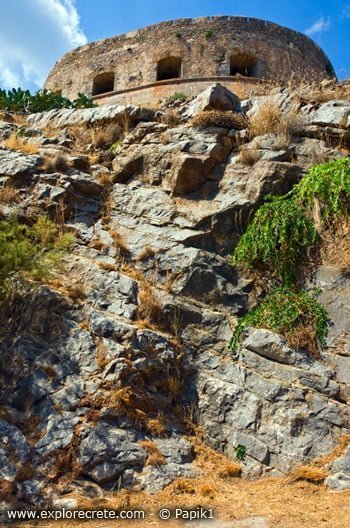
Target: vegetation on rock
[
  {"x": 282, "y": 310},
  {"x": 18, "y": 100},
  {"x": 284, "y": 230},
  {"x": 29, "y": 252}
]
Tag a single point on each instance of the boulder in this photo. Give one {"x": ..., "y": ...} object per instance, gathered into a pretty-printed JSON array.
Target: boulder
[
  {"x": 332, "y": 113},
  {"x": 216, "y": 97},
  {"x": 85, "y": 116}
]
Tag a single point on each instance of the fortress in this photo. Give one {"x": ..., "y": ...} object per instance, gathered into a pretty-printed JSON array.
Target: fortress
[{"x": 186, "y": 56}]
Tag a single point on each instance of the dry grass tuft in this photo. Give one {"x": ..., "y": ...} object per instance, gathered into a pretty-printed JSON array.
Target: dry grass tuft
[
  {"x": 171, "y": 118},
  {"x": 155, "y": 457},
  {"x": 269, "y": 118},
  {"x": 120, "y": 245},
  {"x": 321, "y": 92},
  {"x": 249, "y": 156},
  {"x": 77, "y": 290},
  {"x": 149, "y": 308},
  {"x": 9, "y": 195},
  {"x": 304, "y": 336},
  {"x": 101, "y": 354},
  {"x": 56, "y": 163},
  {"x": 219, "y": 118},
  {"x": 105, "y": 179},
  {"x": 155, "y": 426},
  {"x": 229, "y": 469},
  {"x": 146, "y": 253},
  {"x": 98, "y": 244},
  {"x": 15, "y": 142},
  {"x": 309, "y": 473},
  {"x": 107, "y": 266}
]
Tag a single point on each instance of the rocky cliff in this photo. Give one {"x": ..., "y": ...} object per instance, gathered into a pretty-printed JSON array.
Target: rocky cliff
[{"x": 113, "y": 366}]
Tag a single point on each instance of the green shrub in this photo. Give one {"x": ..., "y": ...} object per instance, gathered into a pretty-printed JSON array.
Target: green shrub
[
  {"x": 240, "y": 452},
  {"x": 29, "y": 252},
  {"x": 177, "y": 96},
  {"x": 283, "y": 228},
  {"x": 208, "y": 33},
  {"x": 282, "y": 311},
  {"x": 328, "y": 185},
  {"x": 277, "y": 238},
  {"x": 115, "y": 146},
  {"x": 18, "y": 100}
]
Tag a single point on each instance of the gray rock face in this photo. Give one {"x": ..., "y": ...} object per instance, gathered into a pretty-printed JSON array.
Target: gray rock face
[
  {"x": 16, "y": 165},
  {"x": 14, "y": 450},
  {"x": 273, "y": 402},
  {"x": 67, "y": 117},
  {"x": 92, "y": 374},
  {"x": 106, "y": 451},
  {"x": 332, "y": 113}
]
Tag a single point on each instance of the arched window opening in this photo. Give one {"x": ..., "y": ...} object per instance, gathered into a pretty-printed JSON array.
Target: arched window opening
[
  {"x": 103, "y": 83},
  {"x": 244, "y": 65},
  {"x": 169, "y": 68}
]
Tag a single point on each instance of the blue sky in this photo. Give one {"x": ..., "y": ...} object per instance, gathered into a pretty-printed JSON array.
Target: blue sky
[{"x": 35, "y": 33}]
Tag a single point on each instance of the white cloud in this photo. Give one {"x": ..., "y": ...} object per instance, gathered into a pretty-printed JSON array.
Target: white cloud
[
  {"x": 322, "y": 24},
  {"x": 33, "y": 35}
]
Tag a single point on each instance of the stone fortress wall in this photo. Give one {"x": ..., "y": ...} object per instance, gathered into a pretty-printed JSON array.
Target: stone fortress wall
[{"x": 186, "y": 55}]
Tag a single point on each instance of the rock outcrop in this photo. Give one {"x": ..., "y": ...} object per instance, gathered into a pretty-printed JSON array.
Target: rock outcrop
[{"x": 130, "y": 344}]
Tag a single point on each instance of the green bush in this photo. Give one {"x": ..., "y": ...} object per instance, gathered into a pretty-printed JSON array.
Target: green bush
[
  {"x": 277, "y": 241},
  {"x": 327, "y": 185},
  {"x": 283, "y": 310},
  {"x": 177, "y": 96},
  {"x": 18, "y": 100},
  {"x": 30, "y": 252},
  {"x": 283, "y": 228},
  {"x": 277, "y": 238}
]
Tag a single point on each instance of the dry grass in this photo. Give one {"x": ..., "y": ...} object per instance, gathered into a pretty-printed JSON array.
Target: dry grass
[
  {"x": 304, "y": 336},
  {"x": 309, "y": 473},
  {"x": 269, "y": 118},
  {"x": 249, "y": 156},
  {"x": 98, "y": 136},
  {"x": 20, "y": 144},
  {"x": 146, "y": 253},
  {"x": 297, "y": 504},
  {"x": 321, "y": 92},
  {"x": 101, "y": 355},
  {"x": 76, "y": 290},
  {"x": 155, "y": 426},
  {"x": 9, "y": 194},
  {"x": 172, "y": 385},
  {"x": 229, "y": 469},
  {"x": 56, "y": 163},
  {"x": 338, "y": 451},
  {"x": 149, "y": 308},
  {"x": 171, "y": 118},
  {"x": 105, "y": 179},
  {"x": 155, "y": 457},
  {"x": 120, "y": 246},
  {"x": 165, "y": 138},
  {"x": 98, "y": 244},
  {"x": 219, "y": 118},
  {"x": 107, "y": 266}
]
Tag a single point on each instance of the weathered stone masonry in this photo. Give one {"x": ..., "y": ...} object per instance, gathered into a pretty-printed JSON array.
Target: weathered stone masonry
[{"x": 153, "y": 61}]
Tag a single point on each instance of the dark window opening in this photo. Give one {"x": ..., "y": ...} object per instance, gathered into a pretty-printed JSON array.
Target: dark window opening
[
  {"x": 169, "y": 68},
  {"x": 103, "y": 83},
  {"x": 244, "y": 65}
]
